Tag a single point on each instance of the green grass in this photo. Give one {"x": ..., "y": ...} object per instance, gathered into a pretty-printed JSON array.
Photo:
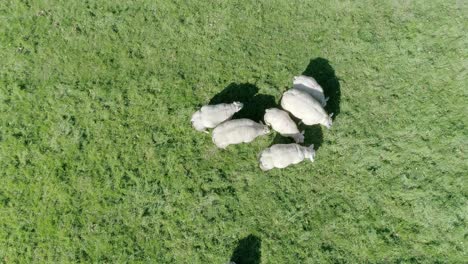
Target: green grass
[{"x": 99, "y": 163}]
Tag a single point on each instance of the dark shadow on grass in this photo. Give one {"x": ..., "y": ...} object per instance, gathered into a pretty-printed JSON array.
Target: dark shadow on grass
[
  {"x": 323, "y": 72},
  {"x": 248, "y": 251},
  {"x": 312, "y": 135},
  {"x": 246, "y": 93},
  {"x": 240, "y": 92},
  {"x": 255, "y": 107}
]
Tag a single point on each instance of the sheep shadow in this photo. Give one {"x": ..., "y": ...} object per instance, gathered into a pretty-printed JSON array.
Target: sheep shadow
[
  {"x": 248, "y": 251},
  {"x": 255, "y": 104},
  {"x": 312, "y": 135}
]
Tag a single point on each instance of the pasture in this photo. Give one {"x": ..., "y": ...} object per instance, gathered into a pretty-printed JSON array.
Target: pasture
[{"x": 99, "y": 162}]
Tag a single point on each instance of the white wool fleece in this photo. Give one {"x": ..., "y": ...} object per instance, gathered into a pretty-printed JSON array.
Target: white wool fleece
[
  {"x": 310, "y": 85},
  {"x": 281, "y": 122},
  {"x": 283, "y": 155},
  {"x": 237, "y": 131},
  {"x": 303, "y": 106},
  {"x": 209, "y": 116}
]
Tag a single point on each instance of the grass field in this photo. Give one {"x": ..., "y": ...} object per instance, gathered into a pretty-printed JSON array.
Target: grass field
[{"x": 99, "y": 163}]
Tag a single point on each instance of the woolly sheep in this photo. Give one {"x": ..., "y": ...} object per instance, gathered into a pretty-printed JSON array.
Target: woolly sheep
[
  {"x": 237, "y": 131},
  {"x": 283, "y": 155},
  {"x": 280, "y": 121},
  {"x": 310, "y": 85},
  {"x": 305, "y": 107},
  {"x": 209, "y": 116}
]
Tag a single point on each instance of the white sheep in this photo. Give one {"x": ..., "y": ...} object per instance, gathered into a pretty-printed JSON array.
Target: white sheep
[
  {"x": 237, "y": 131},
  {"x": 303, "y": 106},
  {"x": 310, "y": 86},
  {"x": 209, "y": 116},
  {"x": 283, "y": 155},
  {"x": 281, "y": 122}
]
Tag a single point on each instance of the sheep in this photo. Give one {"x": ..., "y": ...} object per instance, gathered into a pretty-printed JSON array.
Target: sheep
[
  {"x": 303, "y": 106},
  {"x": 283, "y": 155},
  {"x": 310, "y": 86},
  {"x": 237, "y": 131},
  {"x": 280, "y": 121},
  {"x": 209, "y": 116}
]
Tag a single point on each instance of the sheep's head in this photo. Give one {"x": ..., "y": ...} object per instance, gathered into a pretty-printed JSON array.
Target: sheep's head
[
  {"x": 299, "y": 137},
  {"x": 197, "y": 122},
  {"x": 238, "y": 106},
  {"x": 327, "y": 122}
]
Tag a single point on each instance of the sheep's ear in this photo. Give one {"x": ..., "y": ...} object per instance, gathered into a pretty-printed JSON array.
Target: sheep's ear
[
  {"x": 331, "y": 115},
  {"x": 311, "y": 146},
  {"x": 303, "y": 132},
  {"x": 327, "y": 98}
]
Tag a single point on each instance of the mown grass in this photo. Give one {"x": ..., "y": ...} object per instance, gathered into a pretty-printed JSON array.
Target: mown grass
[{"x": 99, "y": 162}]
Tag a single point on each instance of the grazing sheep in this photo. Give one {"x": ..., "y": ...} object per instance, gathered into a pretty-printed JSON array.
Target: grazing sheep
[
  {"x": 310, "y": 86},
  {"x": 280, "y": 121},
  {"x": 303, "y": 106},
  {"x": 238, "y": 131},
  {"x": 283, "y": 155},
  {"x": 209, "y": 116}
]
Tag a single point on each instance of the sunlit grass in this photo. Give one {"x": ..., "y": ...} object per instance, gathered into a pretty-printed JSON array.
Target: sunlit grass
[{"x": 98, "y": 162}]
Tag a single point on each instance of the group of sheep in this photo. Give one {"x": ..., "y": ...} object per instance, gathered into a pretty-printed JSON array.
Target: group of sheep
[{"x": 305, "y": 101}]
